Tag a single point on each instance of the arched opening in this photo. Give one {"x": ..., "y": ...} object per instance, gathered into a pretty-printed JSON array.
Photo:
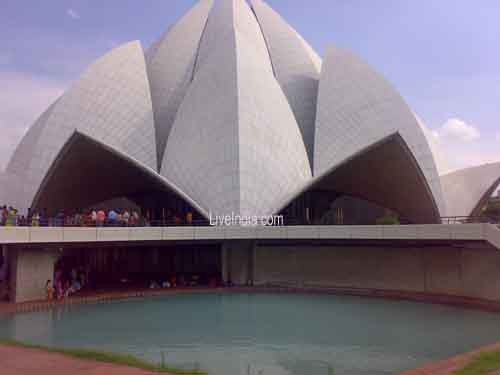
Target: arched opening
[
  {"x": 87, "y": 174},
  {"x": 488, "y": 208},
  {"x": 384, "y": 180}
]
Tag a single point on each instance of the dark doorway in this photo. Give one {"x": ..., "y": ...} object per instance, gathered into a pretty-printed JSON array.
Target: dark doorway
[{"x": 112, "y": 268}]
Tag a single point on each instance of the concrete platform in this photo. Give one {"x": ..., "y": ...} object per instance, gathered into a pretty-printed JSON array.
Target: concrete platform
[{"x": 437, "y": 232}]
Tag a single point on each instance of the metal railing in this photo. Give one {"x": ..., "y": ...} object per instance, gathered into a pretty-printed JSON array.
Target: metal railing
[
  {"x": 19, "y": 221},
  {"x": 467, "y": 220}
]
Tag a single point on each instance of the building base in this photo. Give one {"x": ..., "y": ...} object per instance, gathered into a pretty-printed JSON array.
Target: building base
[{"x": 472, "y": 272}]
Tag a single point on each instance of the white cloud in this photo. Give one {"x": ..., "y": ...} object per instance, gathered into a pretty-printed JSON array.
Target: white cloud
[
  {"x": 456, "y": 145},
  {"x": 435, "y": 146},
  {"x": 458, "y": 130},
  {"x": 24, "y": 98},
  {"x": 73, "y": 14}
]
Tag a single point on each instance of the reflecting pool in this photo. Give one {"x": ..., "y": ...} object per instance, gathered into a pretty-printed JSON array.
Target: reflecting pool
[{"x": 264, "y": 334}]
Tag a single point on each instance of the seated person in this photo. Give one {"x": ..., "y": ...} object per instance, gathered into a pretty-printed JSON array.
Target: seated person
[
  {"x": 182, "y": 281},
  {"x": 194, "y": 280},
  {"x": 173, "y": 281},
  {"x": 153, "y": 285},
  {"x": 166, "y": 284},
  {"x": 212, "y": 282},
  {"x": 68, "y": 290},
  {"x": 76, "y": 286},
  {"x": 59, "y": 289}
]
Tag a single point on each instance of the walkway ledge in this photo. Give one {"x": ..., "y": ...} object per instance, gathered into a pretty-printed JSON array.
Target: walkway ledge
[{"x": 17, "y": 360}]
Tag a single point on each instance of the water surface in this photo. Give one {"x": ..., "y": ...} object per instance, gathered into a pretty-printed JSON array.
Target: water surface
[{"x": 265, "y": 334}]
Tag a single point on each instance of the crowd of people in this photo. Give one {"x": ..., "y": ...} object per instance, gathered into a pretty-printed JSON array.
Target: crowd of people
[
  {"x": 182, "y": 280},
  {"x": 8, "y": 216},
  {"x": 93, "y": 217},
  {"x": 65, "y": 285},
  {"x": 68, "y": 281}
]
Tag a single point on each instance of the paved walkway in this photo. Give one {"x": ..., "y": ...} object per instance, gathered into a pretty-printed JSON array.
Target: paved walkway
[{"x": 21, "y": 361}]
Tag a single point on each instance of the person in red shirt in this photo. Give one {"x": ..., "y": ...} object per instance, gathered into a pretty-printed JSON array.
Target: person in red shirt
[
  {"x": 50, "y": 290},
  {"x": 101, "y": 217}
]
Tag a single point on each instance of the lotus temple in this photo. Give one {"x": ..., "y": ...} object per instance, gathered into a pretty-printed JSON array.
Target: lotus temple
[{"x": 231, "y": 113}]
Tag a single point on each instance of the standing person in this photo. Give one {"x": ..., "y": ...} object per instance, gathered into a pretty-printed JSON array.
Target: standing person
[
  {"x": 82, "y": 278},
  {"x": 131, "y": 220},
  {"x": 21, "y": 221},
  {"x": 93, "y": 217},
  {"x": 112, "y": 216},
  {"x": 78, "y": 219},
  {"x": 67, "y": 290},
  {"x": 101, "y": 218},
  {"x": 60, "y": 219},
  {"x": 7, "y": 217},
  {"x": 28, "y": 218},
  {"x": 3, "y": 215},
  {"x": 177, "y": 220},
  {"x": 39, "y": 218},
  {"x": 49, "y": 290},
  {"x": 136, "y": 217},
  {"x": 35, "y": 220},
  {"x": 189, "y": 218},
  {"x": 44, "y": 218},
  {"x": 87, "y": 218},
  {"x": 11, "y": 217},
  {"x": 68, "y": 220},
  {"x": 59, "y": 289},
  {"x": 125, "y": 217}
]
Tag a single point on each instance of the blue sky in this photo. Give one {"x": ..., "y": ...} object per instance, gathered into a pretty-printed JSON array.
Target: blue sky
[{"x": 443, "y": 57}]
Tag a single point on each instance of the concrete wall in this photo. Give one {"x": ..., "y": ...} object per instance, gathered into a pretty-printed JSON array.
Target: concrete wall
[
  {"x": 237, "y": 261},
  {"x": 471, "y": 272},
  {"x": 463, "y": 271},
  {"x": 29, "y": 272}
]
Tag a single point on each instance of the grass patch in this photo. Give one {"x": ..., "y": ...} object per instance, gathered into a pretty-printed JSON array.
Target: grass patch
[
  {"x": 107, "y": 357},
  {"x": 482, "y": 364}
]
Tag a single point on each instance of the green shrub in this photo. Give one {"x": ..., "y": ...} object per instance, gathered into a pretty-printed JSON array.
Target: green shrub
[{"x": 387, "y": 220}]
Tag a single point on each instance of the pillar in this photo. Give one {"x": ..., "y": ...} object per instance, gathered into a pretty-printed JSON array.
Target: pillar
[
  {"x": 29, "y": 271},
  {"x": 238, "y": 260},
  {"x": 3, "y": 273},
  {"x": 224, "y": 263}
]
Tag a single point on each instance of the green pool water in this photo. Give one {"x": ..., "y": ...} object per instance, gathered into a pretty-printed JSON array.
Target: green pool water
[{"x": 264, "y": 334}]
